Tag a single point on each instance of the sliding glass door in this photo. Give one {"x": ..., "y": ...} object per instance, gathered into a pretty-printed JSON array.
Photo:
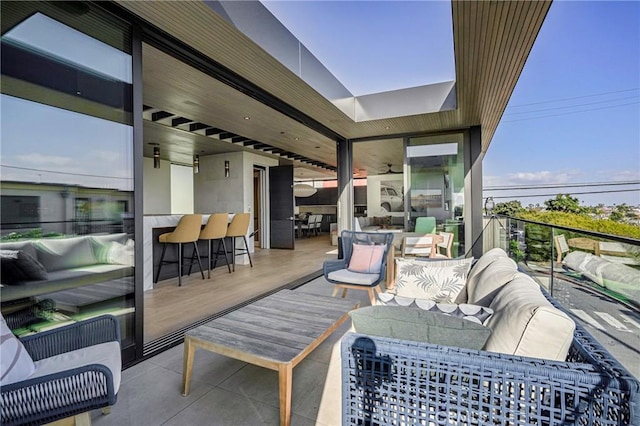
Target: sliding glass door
[{"x": 435, "y": 175}]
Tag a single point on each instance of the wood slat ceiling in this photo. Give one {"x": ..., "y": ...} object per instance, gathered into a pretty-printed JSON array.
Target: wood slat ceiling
[
  {"x": 492, "y": 40},
  {"x": 171, "y": 85}
]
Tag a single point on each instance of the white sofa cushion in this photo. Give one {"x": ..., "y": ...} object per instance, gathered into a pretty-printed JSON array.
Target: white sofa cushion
[
  {"x": 107, "y": 354},
  {"x": 525, "y": 323},
  {"x": 490, "y": 280},
  {"x": 484, "y": 261}
]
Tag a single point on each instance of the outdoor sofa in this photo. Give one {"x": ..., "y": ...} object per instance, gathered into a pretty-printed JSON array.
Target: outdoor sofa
[
  {"x": 532, "y": 366},
  {"x": 46, "y": 274}
]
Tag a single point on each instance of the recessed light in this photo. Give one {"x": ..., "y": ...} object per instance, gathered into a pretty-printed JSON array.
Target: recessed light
[
  {"x": 247, "y": 117},
  {"x": 387, "y": 127},
  {"x": 297, "y": 139}
]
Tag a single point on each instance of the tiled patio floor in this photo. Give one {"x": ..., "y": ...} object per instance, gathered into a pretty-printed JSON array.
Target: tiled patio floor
[{"x": 225, "y": 391}]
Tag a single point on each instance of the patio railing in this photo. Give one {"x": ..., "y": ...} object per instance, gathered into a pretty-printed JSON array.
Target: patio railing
[{"x": 607, "y": 264}]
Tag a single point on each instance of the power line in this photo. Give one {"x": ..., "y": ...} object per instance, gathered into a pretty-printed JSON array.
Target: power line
[
  {"x": 560, "y": 185},
  {"x": 573, "y": 106},
  {"x": 64, "y": 173},
  {"x": 567, "y": 113},
  {"x": 575, "y": 97},
  {"x": 571, "y": 193}
]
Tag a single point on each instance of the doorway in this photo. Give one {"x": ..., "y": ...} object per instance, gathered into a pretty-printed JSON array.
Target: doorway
[{"x": 260, "y": 210}]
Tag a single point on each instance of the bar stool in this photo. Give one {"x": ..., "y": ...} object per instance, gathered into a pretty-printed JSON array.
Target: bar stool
[
  {"x": 215, "y": 229},
  {"x": 238, "y": 228},
  {"x": 187, "y": 231}
]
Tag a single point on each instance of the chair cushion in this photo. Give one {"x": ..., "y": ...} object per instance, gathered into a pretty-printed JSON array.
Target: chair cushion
[
  {"x": 15, "y": 362},
  {"x": 438, "y": 280},
  {"x": 107, "y": 354},
  {"x": 418, "y": 325},
  {"x": 525, "y": 323},
  {"x": 349, "y": 277},
  {"x": 475, "y": 313},
  {"x": 17, "y": 266},
  {"x": 65, "y": 253},
  {"x": 366, "y": 259}
]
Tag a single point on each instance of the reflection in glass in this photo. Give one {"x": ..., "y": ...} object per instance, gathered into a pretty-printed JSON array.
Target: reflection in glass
[
  {"x": 436, "y": 180},
  {"x": 67, "y": 240}
]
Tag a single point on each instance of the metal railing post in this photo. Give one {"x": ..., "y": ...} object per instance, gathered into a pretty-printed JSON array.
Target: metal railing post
[{"x": 553, "y": 256}]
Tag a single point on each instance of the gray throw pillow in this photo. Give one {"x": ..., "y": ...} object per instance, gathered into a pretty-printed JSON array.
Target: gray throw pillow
[
  {"x": 418, "y": 325},
  {"x": 57, "y": 254},
  {"x": 17, "y": 266}
]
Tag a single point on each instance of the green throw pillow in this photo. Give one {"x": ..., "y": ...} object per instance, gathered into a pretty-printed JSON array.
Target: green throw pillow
[{"x": 418, "y": 325}]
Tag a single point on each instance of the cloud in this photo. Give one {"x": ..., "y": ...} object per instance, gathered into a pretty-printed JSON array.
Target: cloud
[
  {"x": 39, "y": 159},
  {"x": 544, "y": 177},
  {"x": 618, "y": 175},
  {"x": 534, "y": 178}
]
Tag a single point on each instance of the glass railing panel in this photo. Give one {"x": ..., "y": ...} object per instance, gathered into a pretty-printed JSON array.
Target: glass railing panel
[{"x": 593, "y": 276}]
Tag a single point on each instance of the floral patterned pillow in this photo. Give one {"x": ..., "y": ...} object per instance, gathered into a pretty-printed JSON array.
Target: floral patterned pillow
[{"x": 437, "y": 280}]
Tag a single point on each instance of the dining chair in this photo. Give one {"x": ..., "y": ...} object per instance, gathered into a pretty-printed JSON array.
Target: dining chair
[
  {"x": 420, "y": 246},
  {"x": 425, "y": 225},
  {"x": 187, "y": 231},
  {"x": 446, "y": 245}
]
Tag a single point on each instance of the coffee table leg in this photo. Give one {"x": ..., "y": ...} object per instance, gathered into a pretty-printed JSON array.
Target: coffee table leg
[
  {"x": 285, "y": 379},
  {"x": 187, "y": 365}
]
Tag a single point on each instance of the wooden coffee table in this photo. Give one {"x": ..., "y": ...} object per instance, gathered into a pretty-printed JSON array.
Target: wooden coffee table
[{"x": 276, "y": 332}]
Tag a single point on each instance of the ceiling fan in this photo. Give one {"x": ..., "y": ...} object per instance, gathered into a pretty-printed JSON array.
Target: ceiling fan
[{"x": 390, "y": 171}]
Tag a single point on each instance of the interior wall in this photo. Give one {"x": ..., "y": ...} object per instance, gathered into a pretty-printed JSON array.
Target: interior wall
[
  {"x": 156, "y": 187},
  {"x": 215, "y": 193},
  {"x": 181, "y": 189}
]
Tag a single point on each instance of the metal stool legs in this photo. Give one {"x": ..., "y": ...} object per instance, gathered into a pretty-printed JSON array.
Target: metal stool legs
[{"x": 180, "y": 259}]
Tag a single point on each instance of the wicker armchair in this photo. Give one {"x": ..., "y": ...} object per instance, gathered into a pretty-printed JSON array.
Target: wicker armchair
[
  {"x": 337, "y": 272},
  {"x": 74, "y": 391},
  {"x": 389, "y": 381}
]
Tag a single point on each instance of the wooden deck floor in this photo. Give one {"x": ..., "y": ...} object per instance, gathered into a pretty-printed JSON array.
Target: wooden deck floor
[{"x": 168, "y": 307}]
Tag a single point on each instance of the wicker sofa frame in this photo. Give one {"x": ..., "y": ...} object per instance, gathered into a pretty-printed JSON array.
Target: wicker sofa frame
[
  {"x": 397, "y": 382},
  {"x": 56, "y": 396}
]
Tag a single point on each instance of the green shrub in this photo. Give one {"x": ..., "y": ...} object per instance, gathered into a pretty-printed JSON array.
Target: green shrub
[
  {"x": 570, "y": 220},
  {"x": 30, "y": 234}
]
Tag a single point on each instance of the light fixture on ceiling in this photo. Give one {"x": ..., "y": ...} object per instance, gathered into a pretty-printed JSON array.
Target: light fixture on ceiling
[
  {"x": 196, "y": 164},
  {"x": 303, "y": 190},
  {"x": 226, "y": 168},
  {"x": 246, "y": 117},
  {"x": 156, "y": 157}
]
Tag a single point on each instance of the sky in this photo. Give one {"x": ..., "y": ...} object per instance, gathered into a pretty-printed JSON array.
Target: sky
[{"x": 573, "y": 118}]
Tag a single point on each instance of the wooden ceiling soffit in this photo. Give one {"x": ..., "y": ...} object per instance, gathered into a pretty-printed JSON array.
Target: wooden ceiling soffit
[{"x": 169, "y": 119}]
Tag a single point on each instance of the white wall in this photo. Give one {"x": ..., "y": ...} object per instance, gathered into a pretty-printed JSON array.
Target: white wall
[
  {"x": 181, "y": 189},
  {"x": 156, "y": 187}
]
